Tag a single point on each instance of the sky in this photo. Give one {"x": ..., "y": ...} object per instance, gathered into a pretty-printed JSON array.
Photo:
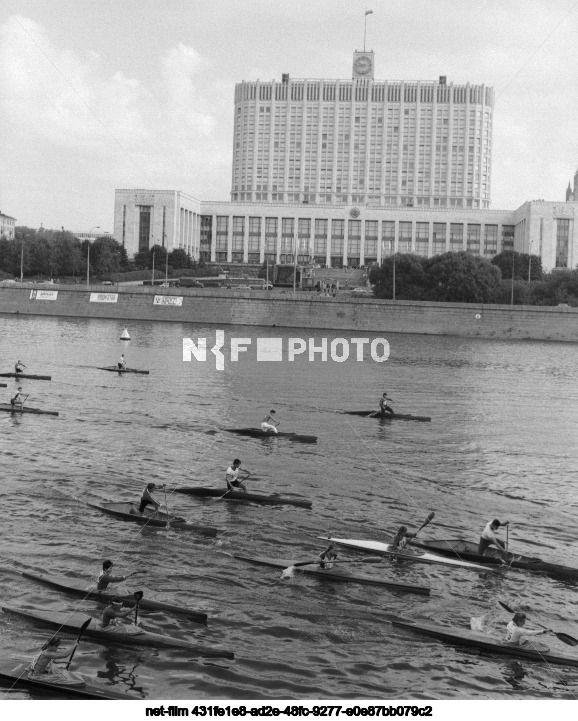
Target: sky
[{"x": 96, "y": 96}]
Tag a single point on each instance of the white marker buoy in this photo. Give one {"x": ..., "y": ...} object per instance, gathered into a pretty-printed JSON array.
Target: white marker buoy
[{"x": 125, "y": 335}]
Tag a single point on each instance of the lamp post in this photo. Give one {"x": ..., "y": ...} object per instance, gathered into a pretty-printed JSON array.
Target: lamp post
[
  {"x": 95, "y": 227},
  {"x": 394, "y": 276}
]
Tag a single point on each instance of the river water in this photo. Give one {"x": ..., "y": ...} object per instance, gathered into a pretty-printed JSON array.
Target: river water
[{"x": 502, "y": 443}]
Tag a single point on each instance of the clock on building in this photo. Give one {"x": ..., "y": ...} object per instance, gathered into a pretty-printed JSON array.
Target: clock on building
[{"x": 363, "y": 65}]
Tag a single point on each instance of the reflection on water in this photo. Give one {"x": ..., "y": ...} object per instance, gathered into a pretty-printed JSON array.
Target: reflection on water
[{"x": 501, "y": 443}]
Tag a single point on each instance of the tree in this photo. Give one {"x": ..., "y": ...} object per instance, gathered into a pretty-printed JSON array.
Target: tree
[
  {"x": 105, "y": 256},
  {"x": 462, "y": 278},
  {"x": 526, "y": 267},
  {"x": 409, "y": 277},
  {"x": 179, "y": 258}
]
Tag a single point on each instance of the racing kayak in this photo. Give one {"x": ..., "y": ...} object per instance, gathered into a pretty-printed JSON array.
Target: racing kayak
[
  {"x": 258, "y": 433},
  {"x": 25, "y": 375},
  {"x": 485, "y": 643},
  {"x": 122, "y": 634},
  {"x": 468, "y": 551},
  {"x": 15, "y": 674},
  {"x": 273, "y": 500},
  {"x": 129, "y": 512},
  {"x": 85, "y": 590},
  {"x": 116, "y": 369},
  {"x": 9, "y": 408},
  {"x": 406, "y": 554},
  {"x": 3, "y": 385},
  {"x": 335, "y": 573},
  {"x": 396, "y": 417}
]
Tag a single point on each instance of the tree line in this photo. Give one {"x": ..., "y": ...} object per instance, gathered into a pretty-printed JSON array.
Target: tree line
[
  {"x": 466, "y": 278},
  {"x": 60, "y": 254}
]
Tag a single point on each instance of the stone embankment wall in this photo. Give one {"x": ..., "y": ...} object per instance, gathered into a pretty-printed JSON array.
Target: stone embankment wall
[{"x": 305, "y": 310}]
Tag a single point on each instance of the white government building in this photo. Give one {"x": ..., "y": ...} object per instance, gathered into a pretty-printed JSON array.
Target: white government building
[{"x": 346, "y": 172}]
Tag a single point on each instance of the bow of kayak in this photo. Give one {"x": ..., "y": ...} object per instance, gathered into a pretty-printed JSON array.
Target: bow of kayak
[
  {"x": 127, "y": 511},
  {"x": 272, "y": 500}
]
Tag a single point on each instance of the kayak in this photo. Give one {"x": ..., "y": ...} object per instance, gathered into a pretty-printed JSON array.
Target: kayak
[
  {"x": 85, "y": 590},
  {"x": 122, "y": 370},
  {"x": 396, "y": 417},
  {"x": 242, "y": 496},
  {"x": 258, "y": 433},
  {"x": 335, "y": 573},
  {"x": 15, "y": 674},
  {"x": 477, "y": 640},
  {"x": 3, "y": 385},
  {"x": 468, "y": 551},
  {"x": 25, "y": 375},
  {"x": 406, "y": 554},
  {"x": 72, "y": 622},
  {"x": 9, "y": 408},
  {"x": 129, "y": 512}
]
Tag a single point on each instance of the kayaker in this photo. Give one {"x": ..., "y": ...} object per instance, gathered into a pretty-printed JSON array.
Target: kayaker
[
  {"x": 384, "y": 407},
  {"x": 113, "y": 612},
  {"x": 122, "y": 363},
  {"x": 42, "y": 662},
  {"x": 106, "y": 576},
  {"x": 401, "y": 538},
  {"x": 18, "y": 399},
  {"x": 19, "y": 367},
  {"x": 328, "y": 555},
  {"x": 147, "y": 498},
  {"x": 232, "y": 476},
  {"x": 489, "y": 538},
  {"x": 270, "y": 423},
  {"x": 516, "y": 634}
]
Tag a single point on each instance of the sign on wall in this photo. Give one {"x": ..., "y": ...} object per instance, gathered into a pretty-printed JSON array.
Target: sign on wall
[
  {"x": 168, "y": 300},
  {"x": 103, "y": 297},
  {"x": 43, "y": 294}
]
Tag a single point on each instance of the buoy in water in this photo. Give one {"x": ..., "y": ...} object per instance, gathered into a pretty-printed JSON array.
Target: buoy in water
[{"x": 125, "y": 335}]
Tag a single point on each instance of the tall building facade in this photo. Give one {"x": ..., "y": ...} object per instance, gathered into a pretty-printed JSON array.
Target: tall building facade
[{"x": 362, "y": 141}]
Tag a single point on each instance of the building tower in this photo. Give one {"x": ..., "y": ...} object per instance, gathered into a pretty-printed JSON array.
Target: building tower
[
  {"x": 363, "y": 141},
  {"x": 572, "y": 193}
]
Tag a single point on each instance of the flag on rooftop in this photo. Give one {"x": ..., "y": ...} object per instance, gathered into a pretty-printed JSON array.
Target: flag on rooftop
[{"x": 369, "y": 12}]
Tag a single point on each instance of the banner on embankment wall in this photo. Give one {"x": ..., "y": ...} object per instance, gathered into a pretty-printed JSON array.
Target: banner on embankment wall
[
  {"x": 168, "y": 300},
  {"x": 43, "y": 294},
  {"x": 103, "y": 297}
]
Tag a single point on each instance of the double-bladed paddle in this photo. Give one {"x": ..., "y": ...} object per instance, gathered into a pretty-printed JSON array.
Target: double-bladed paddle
[
  {"x": 137, "y": 596},
  {"x": 564, "y": 637},
  {"x": 409, "y": 540},
  {"x": 82, "y": 630}
]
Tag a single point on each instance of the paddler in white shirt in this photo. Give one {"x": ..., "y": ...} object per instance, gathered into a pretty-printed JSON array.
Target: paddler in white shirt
[
  {"x": 489, "y": 538},
  {"x": 232, "y": 477},
  {"x": 269, "y": 423},
  {"x": 122, "y": 363},
  {"x": 517, "y": 635},
  {"x": 19, "y": 367}
]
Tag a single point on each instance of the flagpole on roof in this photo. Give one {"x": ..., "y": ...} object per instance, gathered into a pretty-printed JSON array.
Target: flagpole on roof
[{"x": 367, "y": 12}]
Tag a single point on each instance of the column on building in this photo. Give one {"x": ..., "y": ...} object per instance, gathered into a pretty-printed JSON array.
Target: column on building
[{"x": 369, "y": 248}]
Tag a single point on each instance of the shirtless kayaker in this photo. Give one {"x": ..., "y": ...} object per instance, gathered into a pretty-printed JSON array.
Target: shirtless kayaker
[
  {"x": 269, "y": 423},
  {"x": 106, "y": 577}
]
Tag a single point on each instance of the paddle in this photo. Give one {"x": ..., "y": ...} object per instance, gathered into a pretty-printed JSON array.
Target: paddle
[
  {"x": 226, "y": 493},
  {"x": 409, "y": 540},
  {"x": 82, "y": 630},
  {"x": 137, "y": 596},
  {"x": 564, "y": 637}
]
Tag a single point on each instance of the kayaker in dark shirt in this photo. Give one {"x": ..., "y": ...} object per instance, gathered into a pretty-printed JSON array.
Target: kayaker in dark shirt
[
  {"x": 327, "y": 556},
  {"x": 18, "y": 399},
  {"x": 106, "y": 577},
  {"x": 401, "y": 538},
  {"x": 384, "y": 407},
  {"x": 147, "y": 498},
  {"x": 112, "y": 612}
]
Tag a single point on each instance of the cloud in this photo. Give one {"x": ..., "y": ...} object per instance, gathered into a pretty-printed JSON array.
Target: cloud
[{"x": 60, "y": 96}]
